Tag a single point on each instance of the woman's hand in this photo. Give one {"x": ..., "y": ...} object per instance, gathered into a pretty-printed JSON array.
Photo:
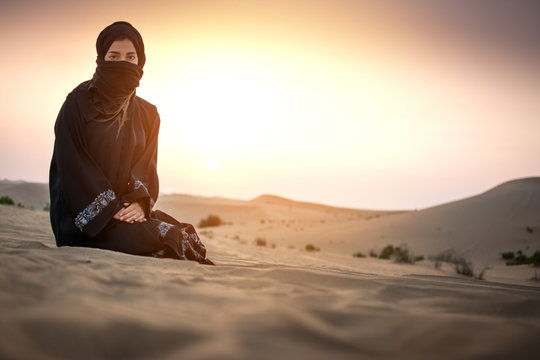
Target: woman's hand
[{"x": 131, "y": 213}]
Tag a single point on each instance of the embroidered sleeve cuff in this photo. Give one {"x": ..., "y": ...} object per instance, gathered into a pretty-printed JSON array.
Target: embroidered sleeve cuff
[{"x": 93, "y": 209}]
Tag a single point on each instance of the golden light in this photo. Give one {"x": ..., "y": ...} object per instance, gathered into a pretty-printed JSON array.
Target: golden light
[{"x": 211, "y": 164}]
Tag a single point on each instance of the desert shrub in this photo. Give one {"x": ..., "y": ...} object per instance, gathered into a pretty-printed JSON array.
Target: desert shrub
[
  {"x": 535, "y": 259},
  {"x": 359, "y": 254},
  {"x": 6, "y": 200},
  {"x": 522, "y": 259},
  {"x": 401, "y": 255},
  {"x": 419, "y": 258},
  {"x": 373, "y": 254},
  {"x": 464, "y": 268},
  {"x": 20, "y": 205},
  {"x": 260, "y": 241},
  {"x": 211, "y": 220},
  {"x": 47, "y": 207},
  {"x": 482, "y": 274},
  {"x": 311, "y": 247},
  {"x": 508, "y": 255},
  {"x": 387, "y": 252},
  {"x": 529, "y": 229}
]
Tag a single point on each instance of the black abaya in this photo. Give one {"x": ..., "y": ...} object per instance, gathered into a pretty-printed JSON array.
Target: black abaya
[{"x": 97, "y": 166}]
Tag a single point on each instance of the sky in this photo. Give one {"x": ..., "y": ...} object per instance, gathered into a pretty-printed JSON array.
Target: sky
[{"x": 363, "y": 104}]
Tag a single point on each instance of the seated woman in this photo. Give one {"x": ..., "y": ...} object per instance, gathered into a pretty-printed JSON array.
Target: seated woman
[{"x": 103, "y": 181}]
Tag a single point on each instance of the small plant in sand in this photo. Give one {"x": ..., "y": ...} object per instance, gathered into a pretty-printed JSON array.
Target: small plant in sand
[
  {"x": 311, "y": 247},
  {"x": 260, "y": 241},
  {"x": 359, "y": 254},
  {"x": 464, "y": 268},
  {"x": 387, "y": 252},
  {"x": 47, "y": 207},
  {"x": 211, "y": 220},
  {"x": 529, "y": 229},
  {"x": 520, "y": 258},
  {"x": 6, "y": 200},
  {"x": 401, "y": 255},
  {"x": 419, "y": 258}
]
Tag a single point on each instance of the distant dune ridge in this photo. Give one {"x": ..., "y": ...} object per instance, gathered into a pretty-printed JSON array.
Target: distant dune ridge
[
  {"x": 277, "y": 301},
  {"x": 31, "y": 195},
  {"x": 479, "y": 227}
]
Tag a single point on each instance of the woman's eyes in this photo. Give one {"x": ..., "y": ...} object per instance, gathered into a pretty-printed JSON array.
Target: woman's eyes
[{"x": 131, "y": 58}]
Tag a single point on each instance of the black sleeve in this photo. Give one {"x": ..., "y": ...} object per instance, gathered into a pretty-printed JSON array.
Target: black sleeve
[
  {"x": 144, "y": 182},
  {"x": 88, "y": 194}
]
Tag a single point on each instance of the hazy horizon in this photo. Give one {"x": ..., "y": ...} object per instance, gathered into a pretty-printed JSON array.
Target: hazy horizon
[{"x": 362, "y": 104}]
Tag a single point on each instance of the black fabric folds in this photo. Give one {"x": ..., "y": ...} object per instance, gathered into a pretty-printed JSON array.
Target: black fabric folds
[
  {"x": 116, "y": 79},
  {"x": 118, "y": 30}
]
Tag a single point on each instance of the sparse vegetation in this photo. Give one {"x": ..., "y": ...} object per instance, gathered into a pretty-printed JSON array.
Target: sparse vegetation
[
  {"x": 47, "y": 207},
  {"x": 6, "y": 200},
  {"x": 311, "y": 247},
  {"x": 20, "y": 205},
  {"x": 520, "y": 258},
  {"x": 462, "y": 265},
  {"x": 387, "y": 252},
  {"x": 260, "y": 241},
  {"x": 464, "y": 268},
  {"x": 211, "y": 220},
  {"x": 535, "y": 277},
  {"x": 401, "y": 255},
  {"x": 359, "y": 254},
  {"x": 529, "y": 229}
]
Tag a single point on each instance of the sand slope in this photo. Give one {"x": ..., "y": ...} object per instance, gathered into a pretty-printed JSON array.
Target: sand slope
[
  {"x": 478, "y": 228},
  {"x": 270, "y": 303},
  {"x": 30, "y": 195},
  {"x": 258, "y": 303}
]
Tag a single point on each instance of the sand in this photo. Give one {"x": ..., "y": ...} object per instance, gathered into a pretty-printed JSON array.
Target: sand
[{"x": 277, "y": 301}]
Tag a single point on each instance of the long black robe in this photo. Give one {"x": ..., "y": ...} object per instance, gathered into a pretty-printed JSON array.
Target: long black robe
[{"x": 95, "y": 169}]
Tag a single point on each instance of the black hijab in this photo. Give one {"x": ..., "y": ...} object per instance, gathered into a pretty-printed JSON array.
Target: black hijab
[
  {"x": 118, "y": 30},
  {"x": 115, "y": 81}
]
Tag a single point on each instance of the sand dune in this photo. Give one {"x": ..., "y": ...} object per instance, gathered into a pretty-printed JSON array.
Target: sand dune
[
  {"x": 282, "y": 302},
  {"x": 30, "y": 195}
]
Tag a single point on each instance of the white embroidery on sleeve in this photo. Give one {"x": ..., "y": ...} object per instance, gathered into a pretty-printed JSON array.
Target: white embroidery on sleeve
[{"x": 94, "y": 208}]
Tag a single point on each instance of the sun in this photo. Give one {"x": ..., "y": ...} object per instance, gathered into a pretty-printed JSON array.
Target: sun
[{"x": 211, "y": 164}]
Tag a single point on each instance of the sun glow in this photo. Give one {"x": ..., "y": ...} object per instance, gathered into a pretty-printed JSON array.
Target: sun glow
[{"x": 211, "y": 164}]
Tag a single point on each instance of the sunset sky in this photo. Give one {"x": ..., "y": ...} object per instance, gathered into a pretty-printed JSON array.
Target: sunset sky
[{"x": 365, "y": 104}]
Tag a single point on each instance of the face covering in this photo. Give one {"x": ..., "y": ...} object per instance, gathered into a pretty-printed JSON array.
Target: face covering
[{"x": 116, "y": 80}]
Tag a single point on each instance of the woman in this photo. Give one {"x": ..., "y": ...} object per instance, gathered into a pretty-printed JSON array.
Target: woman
[{"x": 103, "y": 181}]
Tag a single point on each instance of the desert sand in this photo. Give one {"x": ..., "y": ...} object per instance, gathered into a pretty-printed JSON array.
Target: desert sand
[{"x": 279, "y": 301}]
